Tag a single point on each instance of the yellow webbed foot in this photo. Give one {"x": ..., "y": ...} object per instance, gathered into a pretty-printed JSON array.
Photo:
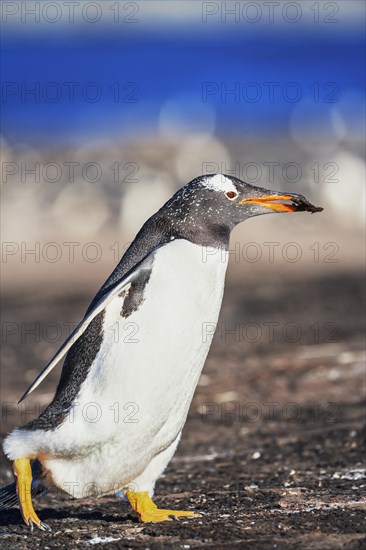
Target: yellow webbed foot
[
  {"x": 148, "y": 512},
  {"x": 23, "y": 473}
]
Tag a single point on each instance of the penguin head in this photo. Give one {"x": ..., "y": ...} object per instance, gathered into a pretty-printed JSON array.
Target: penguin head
[{"x": 224, "y": 200}]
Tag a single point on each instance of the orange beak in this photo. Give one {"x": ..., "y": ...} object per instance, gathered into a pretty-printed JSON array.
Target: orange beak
[{"x": 270, "y": 201}]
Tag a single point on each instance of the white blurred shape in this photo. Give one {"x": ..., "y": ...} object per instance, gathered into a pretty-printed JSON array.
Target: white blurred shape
[
  {"x": 96, "y": 147},
  {"x": 347, "y": 197},
  {"x": 351, "y": 106},
  {"x": 317, "y": 127},
  {"x": 143, "y": 199},
  {"x": 79, "y": 211},
  {"x": 186, "y": 115},
  {"x": 199, "y": 155}
]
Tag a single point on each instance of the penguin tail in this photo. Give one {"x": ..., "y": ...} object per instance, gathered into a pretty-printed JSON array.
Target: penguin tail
[{"x": 8, "y": 496}]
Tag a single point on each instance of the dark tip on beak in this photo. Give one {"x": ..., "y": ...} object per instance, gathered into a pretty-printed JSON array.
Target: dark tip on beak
[{"x": 303, "y": 205}]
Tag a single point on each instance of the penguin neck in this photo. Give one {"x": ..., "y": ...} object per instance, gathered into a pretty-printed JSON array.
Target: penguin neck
[{"x": 198, "y": 231}]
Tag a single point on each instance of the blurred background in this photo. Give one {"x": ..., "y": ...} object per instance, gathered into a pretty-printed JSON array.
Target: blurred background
[{"x": 107, "y": 108}]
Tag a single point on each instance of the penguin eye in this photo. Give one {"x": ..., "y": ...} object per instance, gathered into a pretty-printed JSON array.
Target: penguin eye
[{"x": 231, "y": 195}]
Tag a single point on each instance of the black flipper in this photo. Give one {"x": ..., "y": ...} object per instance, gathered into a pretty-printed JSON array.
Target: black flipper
[{"x": 92, "y": 312}]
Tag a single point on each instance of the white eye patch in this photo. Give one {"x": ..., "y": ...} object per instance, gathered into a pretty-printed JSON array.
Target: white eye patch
[{"x": 219, "y": 182}]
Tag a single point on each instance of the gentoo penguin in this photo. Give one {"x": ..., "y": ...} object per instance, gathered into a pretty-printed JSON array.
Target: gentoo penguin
[{"x": 133, "y": 363}]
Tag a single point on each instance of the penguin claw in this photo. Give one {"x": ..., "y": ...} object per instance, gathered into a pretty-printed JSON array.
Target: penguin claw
[{"x": 41, "y": 525}]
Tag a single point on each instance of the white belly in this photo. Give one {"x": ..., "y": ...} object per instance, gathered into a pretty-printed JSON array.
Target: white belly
[{"x": 136, "y": 397}]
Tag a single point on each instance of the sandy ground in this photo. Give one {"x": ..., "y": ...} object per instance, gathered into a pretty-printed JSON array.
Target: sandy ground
[{"x": 272, "y": 452}]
